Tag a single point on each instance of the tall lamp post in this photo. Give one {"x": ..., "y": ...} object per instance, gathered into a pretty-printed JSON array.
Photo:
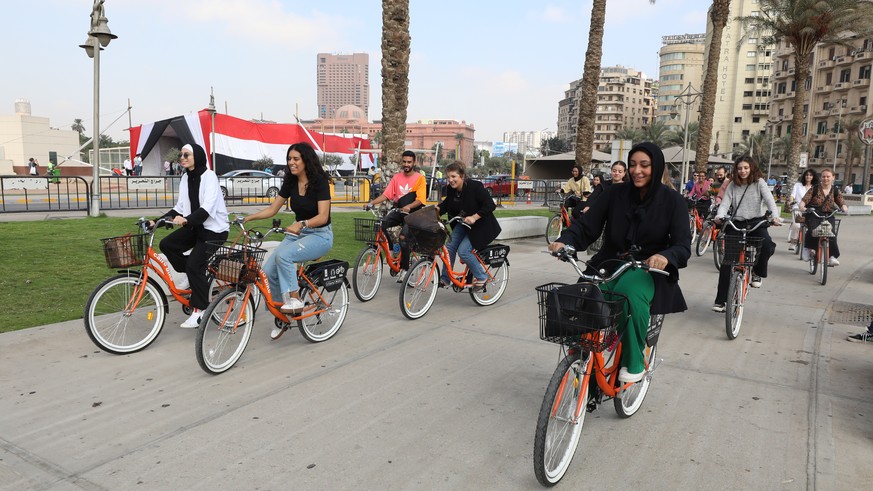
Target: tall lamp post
[
  {"x": 772, "y": 125},
  {"x": 211, "y": 111},
  {"x": 98, "y": 36},
  {"x": 687, "y": 97},
  {"x": 837, "y": 130}
]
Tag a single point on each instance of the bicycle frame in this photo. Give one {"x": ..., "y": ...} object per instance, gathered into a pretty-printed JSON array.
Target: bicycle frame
[
  {"x": 458, "y": 278},
  {"x": 381, "y": 244}
]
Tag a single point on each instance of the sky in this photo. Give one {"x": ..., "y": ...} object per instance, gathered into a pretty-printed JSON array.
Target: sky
[{"x": 501, "y": 65}]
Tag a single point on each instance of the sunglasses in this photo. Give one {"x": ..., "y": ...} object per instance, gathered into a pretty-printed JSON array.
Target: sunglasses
[{"x": 185, "y": 155}]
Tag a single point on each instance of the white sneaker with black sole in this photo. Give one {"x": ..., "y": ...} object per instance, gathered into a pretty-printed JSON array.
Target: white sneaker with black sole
[{"x": 193, "y": 321}]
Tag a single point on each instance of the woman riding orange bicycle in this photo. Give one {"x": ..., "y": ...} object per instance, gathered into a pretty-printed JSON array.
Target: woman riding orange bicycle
[{"x": 826, "y": 198}]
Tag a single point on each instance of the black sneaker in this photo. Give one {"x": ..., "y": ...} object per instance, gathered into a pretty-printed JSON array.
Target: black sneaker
[{"x": 864, "y": 337}]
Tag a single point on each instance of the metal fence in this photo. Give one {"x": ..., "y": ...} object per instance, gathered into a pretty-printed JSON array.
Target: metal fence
[{"x": 42, "y": 193}]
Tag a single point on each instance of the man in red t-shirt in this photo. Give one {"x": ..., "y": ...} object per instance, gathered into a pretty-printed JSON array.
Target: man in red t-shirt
[{"x": 408, "y": 191}]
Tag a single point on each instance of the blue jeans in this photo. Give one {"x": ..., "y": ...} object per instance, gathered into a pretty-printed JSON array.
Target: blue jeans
[
  {"x": 459, "y": 244},
  {"x": 281, "y": 266}
]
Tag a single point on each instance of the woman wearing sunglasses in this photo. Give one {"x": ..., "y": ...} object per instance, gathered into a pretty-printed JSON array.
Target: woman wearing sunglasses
[{"x": 201, "y": 216}]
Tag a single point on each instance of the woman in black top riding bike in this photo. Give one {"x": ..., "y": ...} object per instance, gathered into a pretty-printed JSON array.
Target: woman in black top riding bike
[{"x": 648, "y": 221}]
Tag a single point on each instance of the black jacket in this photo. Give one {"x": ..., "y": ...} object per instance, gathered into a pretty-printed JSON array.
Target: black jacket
[
  {"x": 473, "y": 199},
  {"x": 654, "y": 224}
]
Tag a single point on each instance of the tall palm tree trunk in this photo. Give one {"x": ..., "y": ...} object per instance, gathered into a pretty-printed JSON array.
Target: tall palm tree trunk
[
  {"x": 395, "y": 81},
  {"x": 590, "y": 78},
  {"x": 718, "y": 14},
  {"x": 801, "y": 73}
]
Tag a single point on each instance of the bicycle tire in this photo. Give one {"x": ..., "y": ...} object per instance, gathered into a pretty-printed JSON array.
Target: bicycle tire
[
  {"x": 554, "y": 229},
  {"x": 558, "y": 429},
  {"x": 825, "y": 261},
  {"x": 367, "y": 273},
  {"x": 630, "y": 400},
  {"x": 735, "y": 305},
  {"x": 704, "y": 239},
  {"x": 419, "y": 289},
  {"x": 692, "y": 223},
  {"x": 800, "y": 241},
  {"x": 224, "y": 331},
  {"x": 323, "y": 326},
  {"x": 111, "y": 328},
  {"x": 718, "y": 252},
  {"x": 812, "y": 265},
  {"x": 498, "y": 278}
]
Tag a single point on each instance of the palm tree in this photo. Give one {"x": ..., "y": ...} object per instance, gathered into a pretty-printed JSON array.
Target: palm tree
[
  {"x": 459, "y": 137},
  {"x": 657, "y": 133},
  {"x": 395, "y": 81},
  {"x": 677, "y": 136},
  {"x": 801, "y": 25},
  {"x": 635, "y": 135},
  {"x": 852, "y": 146},
  {"x": 753, "y": 145},
  {"x": 587, "y": 104},
  {"x": 78, "y": 127},
  {"x": 718, "y": 16}
]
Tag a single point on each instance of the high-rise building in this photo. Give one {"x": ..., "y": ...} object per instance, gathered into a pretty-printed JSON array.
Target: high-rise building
[
  {"x": 742, "y": 103},
  {"x": 624, "y": 100},
  {"x": 681, "y": 63},
  {"x": 529, "y": 142},
  {"x": 343, "y": 80}
]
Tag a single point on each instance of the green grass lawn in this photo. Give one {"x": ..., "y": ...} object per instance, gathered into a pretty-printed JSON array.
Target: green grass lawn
[{"x": 50, "y": 267}]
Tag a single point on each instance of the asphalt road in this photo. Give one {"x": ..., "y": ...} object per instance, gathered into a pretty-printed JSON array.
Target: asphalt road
[{"x": 450, "y": 401}]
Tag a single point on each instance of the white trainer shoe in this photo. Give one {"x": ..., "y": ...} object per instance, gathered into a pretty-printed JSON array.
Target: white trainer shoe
[
  {"x": 833, "y": 261},
  {"x": 804, "y": 254},
  {"x": 625, "y": 376},
  {"x": 193, "y": 322},
  {"x": 291, "y": 306}
]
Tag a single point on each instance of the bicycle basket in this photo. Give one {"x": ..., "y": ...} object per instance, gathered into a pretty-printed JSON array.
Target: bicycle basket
[
  {"x": 733, "y": 246},
  {"x": 425, "y": 242},
  {"x": 555, "y": 207},
  {"x": 365, "y": 229},
  {"x": 236, "y": 263},
  {"x": 825, "y": 229},
  {"x": 579, "y": 313},
  {"x": 125, "y": 251}
]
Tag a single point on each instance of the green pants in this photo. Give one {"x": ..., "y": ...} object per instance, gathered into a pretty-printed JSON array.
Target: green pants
[{"x": 639, "y": 289}]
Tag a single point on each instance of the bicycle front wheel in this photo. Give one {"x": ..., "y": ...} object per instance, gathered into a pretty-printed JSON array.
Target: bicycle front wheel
[
  {"x": 733, "y": 314},
  {"x": 825, "y": 260},
  {"x": 419, "y": 289},
  {"x": 367, "y": 273},
  {"x": 117, "y": 323},
  {"x": 704, "y": 239},
  {"x": 630, "y": 400},
  {"x": 692, "y": 224},
  {"x": 498, "y": 278},
  {"x": 561, "y": 417},
  {"x": 813, "y": 261},
  {"x": 800, "y": 239},
  {"x": 718, "y": 252},
  {"x": 224, "y": 332},
  {"x": 554, "y": 229},
  {"x": 332, "y": 308}
]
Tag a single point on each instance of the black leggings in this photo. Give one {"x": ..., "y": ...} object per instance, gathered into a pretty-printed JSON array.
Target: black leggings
[{"x": 194, "y": 264}]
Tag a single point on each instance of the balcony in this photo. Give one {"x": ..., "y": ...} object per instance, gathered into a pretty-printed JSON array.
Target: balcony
[
  {"x": 863, "y": 55},
  {"x": 789, "y": 95},
  {"x": 824, "y": 88},
  {"x": 843, "y": 86},
  {"x": 820, "y": 137},
  {"x": 777, "y": 96},
  {"x": 826, "y": 63},
  {"x": 791, "y": 71},
  {"x": 844, "y": 60},
  {"x": 780, "y": 74},
  {"x": 861, "y": 82},
  {"x": 821, "y": 113}
]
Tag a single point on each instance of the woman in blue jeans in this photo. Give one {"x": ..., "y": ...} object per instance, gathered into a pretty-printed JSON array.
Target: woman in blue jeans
[
  {"x": 469, "y": 199},
  {"x": 307, "y": 187}
]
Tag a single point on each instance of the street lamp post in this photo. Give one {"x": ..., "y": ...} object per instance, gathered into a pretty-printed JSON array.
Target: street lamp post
[
  {"x": 687, "y": 96},
  {"x": 839, "y": 129},
  {"x": 99, "y": 36},
  {"x": 772, "y": 125},
  {"x": 211, "y": 111}
]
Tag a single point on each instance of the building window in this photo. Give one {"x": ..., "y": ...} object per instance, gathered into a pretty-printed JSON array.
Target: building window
[
  {"x": 756, "y": 119},
  {"x": 845, "y": 75},
  {"x": 750, "y": 80},
  {"x": 822, "y": 128},
  {"x": 750, "y": 68},
  {"x": 738, "y": 119},
  {"x": 747, "y": 93},
  {"x": 864, "y": 72},
  {"x": 751, "y": 54}
]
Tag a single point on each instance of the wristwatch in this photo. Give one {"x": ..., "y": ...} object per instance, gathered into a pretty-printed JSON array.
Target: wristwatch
[{"x": 304, "y": 223}]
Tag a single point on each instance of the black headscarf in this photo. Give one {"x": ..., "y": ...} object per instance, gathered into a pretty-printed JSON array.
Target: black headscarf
[
  {"x": 640, "y": 201},
  {"x": 200, "y": 166}
]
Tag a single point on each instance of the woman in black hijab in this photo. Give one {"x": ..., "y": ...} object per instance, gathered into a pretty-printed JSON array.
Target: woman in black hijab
[
  {"x": 201, "y": 216},
  {"x": 647, "y": 221}
]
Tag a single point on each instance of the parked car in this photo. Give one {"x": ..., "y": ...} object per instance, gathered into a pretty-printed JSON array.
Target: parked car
[
  {"x": 249, "y": 184},
  {"x": 501, "y": 185}
]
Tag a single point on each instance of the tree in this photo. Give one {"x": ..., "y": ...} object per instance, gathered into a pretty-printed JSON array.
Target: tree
[
  {"x": 263, "y": 163},
  {"x": 377, "y": 138},
  {"x": 677, "y": 136},
  {"x": 554, "y": 145},
  {"x": 459, "y": 137},
  {"x": 853, "y": 147},
  {"x": 78, "y": 127},
  {"x": 801, "y": 25},
  {"x": 331, "y": 162},
  {"x": 635, "y": 135},
  {"x": 395, "y": 81},
  {"x": 754, "y": 145},
  {"x": 718, "y": 16},
  {"x": 657, "y": 133},
  {"x": 172, "y": 155}
]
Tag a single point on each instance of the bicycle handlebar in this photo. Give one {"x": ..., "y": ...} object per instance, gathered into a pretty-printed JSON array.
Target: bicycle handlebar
[
  {"x": 461, "y": 219},
  {"x": 815, "y": 213},
  {"x": 568, "y": 254}
]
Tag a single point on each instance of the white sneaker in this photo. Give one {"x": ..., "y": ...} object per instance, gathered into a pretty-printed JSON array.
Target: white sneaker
[
  {"x": 718, "y": 307},
  {"x": 401, "y": 276},
  {"x": 625, "y": 376},
  {"x": 183, "y": 283},
  {"x": 277, "y": 332},
  {"x": 804, "y": 254},
  {"x": 292, "y": 305},
  {"x": 833, "y": 261},
  {"x": 756, "y": 281},
  {"x": 792, "y": 248},
  {"x": 193, "y": 322}
]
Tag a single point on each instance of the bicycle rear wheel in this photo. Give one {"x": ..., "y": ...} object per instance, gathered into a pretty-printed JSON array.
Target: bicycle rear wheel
[
  {"x": 692, "y": 223},
  {"x": 419, "y": 289},
  {"x": 630, "y": 400},
  {"x": 704, "y": 239},
  {"x": 323, "y": 326},
  {"x": 116, "y": 327},
  {"x": 800, "y": 238},
  {"x": 498, "y": 278},
  {"x": 224, "y": 332},
  {"x": 812, "y": 264},
  {"x": 367, "y": 273},
  {"x": 554, "y": 229},
  {"x": 561, "y": 417},
  {"x": 718, "y": 251},
  {"x": 824, "y": 261},
  {"x": 733, "y": 314}
]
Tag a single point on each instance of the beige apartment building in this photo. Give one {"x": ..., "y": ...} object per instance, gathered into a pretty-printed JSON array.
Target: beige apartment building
[
  {"x": 342, "y": 80},
  {"x": 23, "y": 135},
  {"x": 839, "y": 92},
  {"x": 624, "y": 100},
  {"x": 681, "y": 62},
  {"x": 742, "y": 104}
]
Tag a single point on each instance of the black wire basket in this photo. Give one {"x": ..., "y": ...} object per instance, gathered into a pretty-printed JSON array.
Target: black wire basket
[
  {"x": 125, "y": 251},
  {"x": 735, "y": 244},
  {"x": 236, "y": 263},
  {"x": 425, "y": 242},
  {"x": 580, "y": 314},
  {"x": 365, "y": 229}
]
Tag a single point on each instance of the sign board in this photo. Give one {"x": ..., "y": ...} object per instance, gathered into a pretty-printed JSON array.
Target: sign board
[
  {"x": 524, "y": 184},
  {"x": 804, "y": 160},
  {"x": 145, "y": 183},
  {"x": 865, "y": 132},
  {"x": 247, "y": 183},
  {"x": 31, "y": 183}
]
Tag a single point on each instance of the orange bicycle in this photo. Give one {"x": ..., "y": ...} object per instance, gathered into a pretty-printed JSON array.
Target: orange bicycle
[
  {"x": 740, "y": 251},
  {"x": 367, "y": 272},
  {"x": 586, "y": 322},
  {"x": 126, "y": 313},
  {"x": 420, "y": 287},
  {"x": 559, "y": 221},
  {"x": 227, "y": 323},
  {"x": 820, "y": 260}
]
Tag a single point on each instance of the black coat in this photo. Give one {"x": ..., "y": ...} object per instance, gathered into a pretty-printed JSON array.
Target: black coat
[
  {"x": 657, "y": 224},
  {"x": 473, "y": 199}
]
